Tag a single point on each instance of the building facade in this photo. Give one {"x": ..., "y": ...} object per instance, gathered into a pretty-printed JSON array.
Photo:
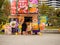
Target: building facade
[
  {"x": 24, "y": 8},
  {"x": 54, "y": 3},
  {"x": 25, "y": 11}
]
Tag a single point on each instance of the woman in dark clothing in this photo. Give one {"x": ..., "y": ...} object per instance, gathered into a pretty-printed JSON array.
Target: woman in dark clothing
[{"x": 24, "y": 26}]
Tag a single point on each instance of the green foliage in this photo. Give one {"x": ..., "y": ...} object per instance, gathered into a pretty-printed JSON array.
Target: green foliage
[
  {"x": 6, "y": 7},
  {"x": 58, "y": 12},
  {"x": 43, "y": 9},
  {"x": 4, "y": 11},
  {"x": 52, "y": 13},
  {"x": 1, "y": 3}
]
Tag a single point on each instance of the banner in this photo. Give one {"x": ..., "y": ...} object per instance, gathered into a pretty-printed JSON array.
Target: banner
[
  {"x": 22, "y": 6},
  {"x": 13, "y": 7},
  {"x": 33, "y": 10},
  {"x": 33, "y": 4}
]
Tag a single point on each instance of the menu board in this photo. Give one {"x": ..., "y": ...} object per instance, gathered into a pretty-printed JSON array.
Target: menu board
[
  {"x": 13, "y": 7},
  {"x": 33, "y": 4},
  {"x": 22, "y": 6}
]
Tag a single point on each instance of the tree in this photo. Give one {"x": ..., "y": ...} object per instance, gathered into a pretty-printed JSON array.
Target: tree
[
  {"x": 58, "y": 16},
  {"x": 6, "y": 7},
  {"x": 43, "y": 9},
  {"x": 1, "y": 3},
  {"x": 51, "y": 13},
  {"x": 4, "y": 11},
  {"x": 57, "y": 12}
]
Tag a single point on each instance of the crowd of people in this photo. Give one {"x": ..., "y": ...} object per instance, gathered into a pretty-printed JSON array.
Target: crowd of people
[{"x": 18, "y": 29}]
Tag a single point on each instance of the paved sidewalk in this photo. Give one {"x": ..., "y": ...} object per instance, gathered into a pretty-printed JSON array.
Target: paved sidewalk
[{"x": 45, "y": 39}]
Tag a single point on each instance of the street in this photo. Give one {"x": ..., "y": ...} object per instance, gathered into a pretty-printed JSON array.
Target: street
[{"x": 44, "y": 39}]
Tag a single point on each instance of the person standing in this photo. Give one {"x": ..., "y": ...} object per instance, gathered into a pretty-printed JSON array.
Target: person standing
[
  {"x": 14, "y": 26},
  {"x": 29, "y": 28},
  {"x": 19, "y": 28},
  {"x": 24, "y": 27}
]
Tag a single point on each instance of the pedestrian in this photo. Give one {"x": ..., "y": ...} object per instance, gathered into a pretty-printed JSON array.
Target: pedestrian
[
  {"x": 14, "y": 26},
  {"x": 29, "y": 28},
  {"x": 24, "y": 27},
  {"x": 35, "y": 28},
  {"x": 19, "y": 28}
]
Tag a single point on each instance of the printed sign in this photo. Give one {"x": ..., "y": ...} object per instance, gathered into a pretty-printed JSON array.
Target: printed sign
[
  {"x": 33, "y": 4},
  {"x": 22, "y": 6}
]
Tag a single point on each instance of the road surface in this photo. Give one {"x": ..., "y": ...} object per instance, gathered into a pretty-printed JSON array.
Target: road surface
[{"x": 45, "y": 39}]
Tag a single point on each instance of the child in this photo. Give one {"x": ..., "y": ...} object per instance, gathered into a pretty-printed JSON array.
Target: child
[
  {"x": 29, "y": 28},
  {"x": 35, "y": 28},
  {"x": 7, "y": 29},
  {"x": 19, "y": 28}
]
